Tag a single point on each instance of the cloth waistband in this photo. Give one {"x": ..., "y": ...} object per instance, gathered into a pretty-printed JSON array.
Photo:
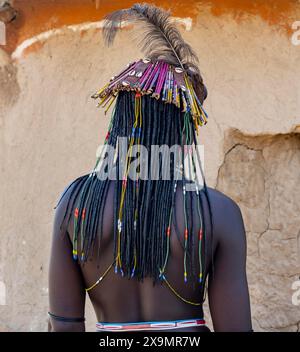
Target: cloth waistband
[{"x": 150, "y": 325}]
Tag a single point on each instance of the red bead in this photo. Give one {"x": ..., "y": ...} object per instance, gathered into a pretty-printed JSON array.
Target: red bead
[
  {"x": 76, "y": 213},
  {"x": 185, "y": 234},
  {"x": 83, "y": 214},
  {"x": 200, "y": 235},
  {"x": 168, "y": 231}
]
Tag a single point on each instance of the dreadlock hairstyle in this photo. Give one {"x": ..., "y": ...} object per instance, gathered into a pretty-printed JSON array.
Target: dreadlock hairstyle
[{"x": 158, "y": 101}]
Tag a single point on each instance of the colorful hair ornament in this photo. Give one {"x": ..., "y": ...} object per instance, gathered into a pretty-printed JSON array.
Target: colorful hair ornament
[{"x": 160, "y": 80}]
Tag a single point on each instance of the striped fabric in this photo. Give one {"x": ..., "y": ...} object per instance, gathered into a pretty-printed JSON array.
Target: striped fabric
[{"x": 150, "y": 325}]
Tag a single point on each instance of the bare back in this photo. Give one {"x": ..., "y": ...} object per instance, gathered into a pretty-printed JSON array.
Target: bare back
[{"x": 117, "y": 299}]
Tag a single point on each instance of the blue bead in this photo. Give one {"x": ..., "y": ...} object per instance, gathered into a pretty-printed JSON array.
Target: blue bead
[
  {"x": 75, "y": 256},
  {"x": 163, "y": 277}
]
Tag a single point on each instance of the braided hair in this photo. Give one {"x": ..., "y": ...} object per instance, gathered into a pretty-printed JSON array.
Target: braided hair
[{"x": 144, "y": 209}]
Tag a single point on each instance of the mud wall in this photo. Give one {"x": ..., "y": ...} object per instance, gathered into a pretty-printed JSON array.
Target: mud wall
[{"x": 50, "y": 129}]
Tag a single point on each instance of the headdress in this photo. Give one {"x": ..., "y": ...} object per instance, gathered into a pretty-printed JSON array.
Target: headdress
[
  {"x": 169, "y": 71},
  {"x": 158, "y": 101}
]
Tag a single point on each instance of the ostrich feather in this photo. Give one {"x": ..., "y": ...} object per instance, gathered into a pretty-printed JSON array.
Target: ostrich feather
[{"x": 159, "y": 37}]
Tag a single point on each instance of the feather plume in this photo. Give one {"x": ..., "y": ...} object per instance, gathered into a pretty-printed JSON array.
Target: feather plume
[{"x": 159, "y": 38}]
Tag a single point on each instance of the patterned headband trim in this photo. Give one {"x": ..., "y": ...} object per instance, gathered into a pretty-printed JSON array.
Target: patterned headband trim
[{"x": 161, "y": 81}]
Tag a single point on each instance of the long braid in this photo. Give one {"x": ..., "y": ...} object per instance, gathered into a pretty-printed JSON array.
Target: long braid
[{"x": 148, "y": 209}]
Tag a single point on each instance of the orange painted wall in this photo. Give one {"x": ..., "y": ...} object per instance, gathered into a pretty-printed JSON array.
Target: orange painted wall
[{"x": 36, "y": 16}]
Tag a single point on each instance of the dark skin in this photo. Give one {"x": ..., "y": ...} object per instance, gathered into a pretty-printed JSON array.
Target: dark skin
[{"x": 117, "y": 299}]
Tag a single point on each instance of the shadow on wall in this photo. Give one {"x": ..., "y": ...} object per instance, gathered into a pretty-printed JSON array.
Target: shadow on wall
[
  {"x": 9, "y": 86},
  {"x": 261, "y": 173}
]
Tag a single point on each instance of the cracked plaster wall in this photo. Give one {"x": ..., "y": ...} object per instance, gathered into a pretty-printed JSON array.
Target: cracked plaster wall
[
  {"x": 50, "y": 130},
  {"x": 262, "y": 174}
]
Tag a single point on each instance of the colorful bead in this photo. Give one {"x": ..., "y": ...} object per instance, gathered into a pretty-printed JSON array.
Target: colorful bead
[
  {"x": 185, "y": 234},
  {"x": 168, "y": 231},
  {"x": 200, "y": 277},
  {"x": 200, "y": 234},
  {"x": 178, "y": 69},
  {"x": 119, "y": 225},
  {"x": 75, "y": 256},
  {"x": 162, "y": 276},
  {"x": 132, "y": 131},
  {"x": 185, "y": 276},
  {"x": 139, "y": 132}
]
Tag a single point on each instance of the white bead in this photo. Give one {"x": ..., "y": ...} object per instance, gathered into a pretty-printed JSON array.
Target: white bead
[
  {"x": 119, "y": 225},
  {"x": 178, "y": 69}
]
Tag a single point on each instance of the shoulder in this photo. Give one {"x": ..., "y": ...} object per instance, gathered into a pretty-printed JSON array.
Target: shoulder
[
  {"x": 66, "y": 199},
  {"x": 228, "y": 222},
  {"x": 221, "y": 201}
]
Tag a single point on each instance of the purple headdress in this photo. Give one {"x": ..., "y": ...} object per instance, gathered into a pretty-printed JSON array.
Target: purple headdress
[{"x": 169, "y": 71}]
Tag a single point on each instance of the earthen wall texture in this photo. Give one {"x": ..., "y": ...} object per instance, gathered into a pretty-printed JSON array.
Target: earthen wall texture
[{"x": 50, "y": 129}]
